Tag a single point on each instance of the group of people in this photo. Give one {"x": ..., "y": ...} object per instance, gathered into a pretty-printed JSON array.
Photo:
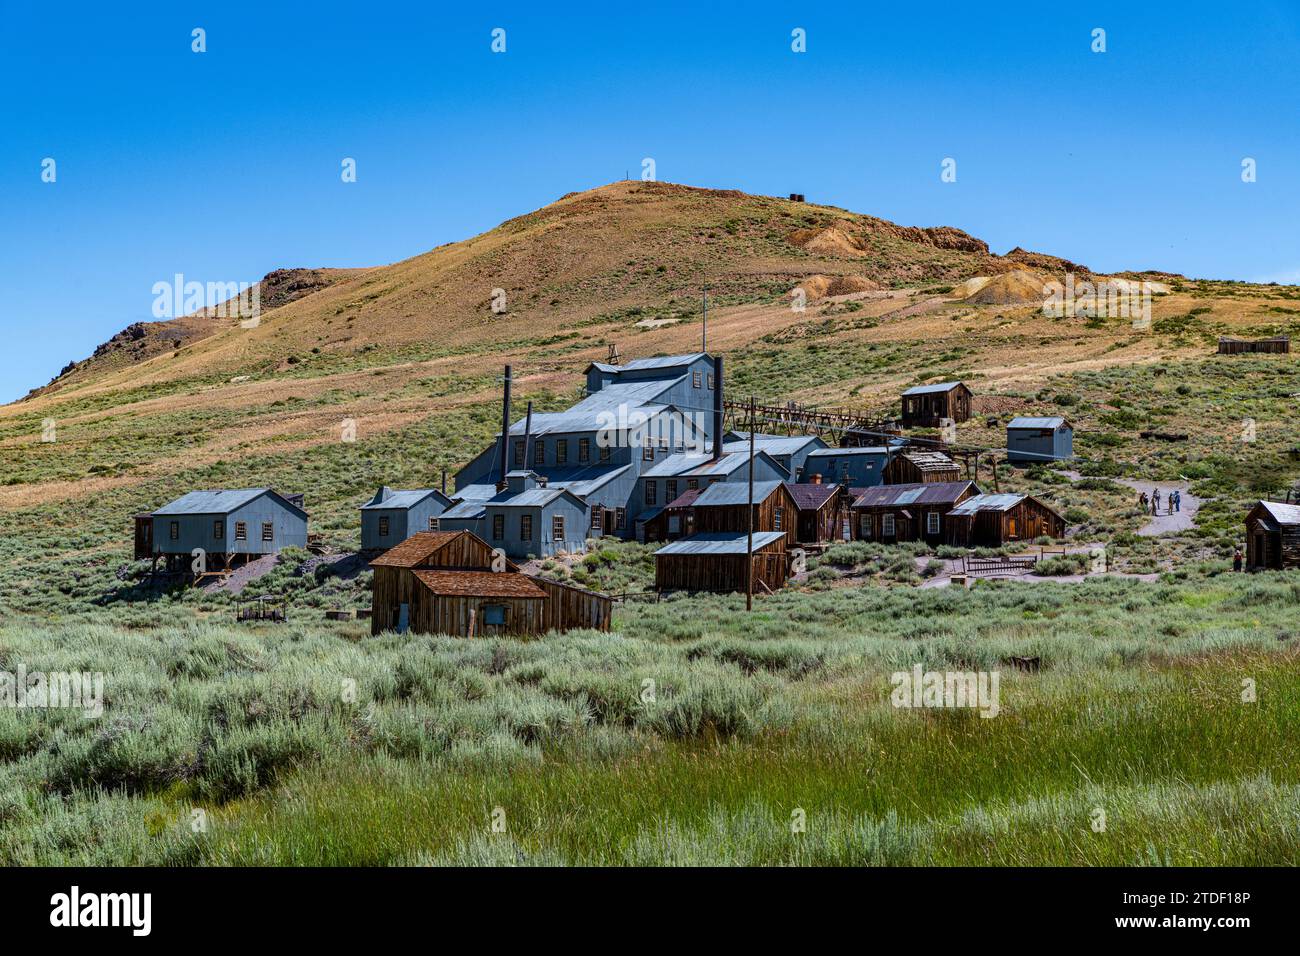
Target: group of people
[{"x": 1174, "y": 500}]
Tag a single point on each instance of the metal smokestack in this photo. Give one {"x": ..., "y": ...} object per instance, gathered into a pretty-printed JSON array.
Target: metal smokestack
[
  {"x": 717, "y": 408},
  {"x": 528, "y": 438},
  {"x": 505, "y": 431}
]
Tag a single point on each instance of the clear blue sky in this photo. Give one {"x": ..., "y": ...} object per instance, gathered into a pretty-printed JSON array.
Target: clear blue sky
[{"x": 225, "y": 165}]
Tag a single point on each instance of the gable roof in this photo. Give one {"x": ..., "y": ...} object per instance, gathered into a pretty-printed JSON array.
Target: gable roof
[
  {"x": 1029, "y": 421},
  {"x": 222, "y": 501},
  {"x": 726, "y": 493},
  {"x": 386, "y": 498},
  {"x": 488, "y": 584},
  {"x": 1002, "y": 502},
  {"x": 1281, "y": 513},
  {"x": 929, "y": 461},
  {"x": 720, "y": 542},
  {"x": 641, "y": 364},
  {"x": 415, "y": 549},
  {"x": 472, "y": 508},
  {"x": 810, "y": 496},
  {"x": 933, "y": 493},
  {"x": 772, "y": 444},
  {"x": 703, "y": 464},
  {"x": 685, "y": 499},
  {"x": 932, "y": 389},
  {"x": 874, "y": 451}
]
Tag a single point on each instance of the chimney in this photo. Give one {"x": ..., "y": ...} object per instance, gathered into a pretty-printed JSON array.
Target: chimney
[
  {"x": 528, "y": 438},
  {"x": 505, "y": 432},
  {"x": 717, "y": 408},
  {"x": 444, "y": 481}
]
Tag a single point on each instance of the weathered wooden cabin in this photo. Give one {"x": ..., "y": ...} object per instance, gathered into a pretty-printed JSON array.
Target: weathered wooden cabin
[
  {"x": 674, "y": 520},
  {"x": 1278, "y": 344},
  {"x": 915, "y": 512},
  {"x": 452, "y": 582},
  {"x": 823, "y": 512},
  {"x": 1273, "y": 537},
  {"x": 725, "y": 507},
  {"x": 230, "y": 526},
  {"x": 921, "y": 468},
  {"x": 1046, "y": 438},
  {"x": 392, "y": 516},
  {"x": 717, "y": 561},
  {"x": 926, "y": 406},
  {"x": 993, "y": 520}
]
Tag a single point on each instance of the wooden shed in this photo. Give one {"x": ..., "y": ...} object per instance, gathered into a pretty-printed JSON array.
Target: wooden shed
[
  {"x": 915, "y": 512},
  {"x": 1280, "y": 343},
  {"x": 452, "y": 582},
  {"x": 823, "y": 512},
  {"x": 926, "y": 406},
  {"x": 1273, "y": 537},
  {"x": 725, "y": 507},
  {"x": 921, "y": 468},
  {"x": 992, "y": 520},
  {"x": 717, "y": 561}
]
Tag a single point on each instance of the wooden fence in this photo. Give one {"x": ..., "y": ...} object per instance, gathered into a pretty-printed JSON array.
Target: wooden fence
[{"x": 1012, "y": 564}]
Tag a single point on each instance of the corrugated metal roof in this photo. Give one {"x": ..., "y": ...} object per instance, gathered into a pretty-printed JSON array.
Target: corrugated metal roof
[
  {"x": 930, "y": 460},
  {"x": 1028, "y": 421},
  {"x": 685, "y": 499},
  {"x": 400, "y": 499},
  {"x": 810, "y": 496},
  {"x": 929, "y": 389},
  {"x": 583, "y": 480},
  {"x": 488, "y": 584},
  {"x": 532, "y": 498},
  {"x": 687, "y": 463},
  {"x": 846, "y": 452},
  {"x": 726, "y": 493},
  {"x": 1282, "y": 513},
  {"x": 474, "y": 508},
  {"x": 937, "y": 492},
  {"x": 772, "y": 444},
  {"x": 662, "y": 361},
  {"x": 415, "y": 549},
  {"x": 637, "y": 396},
  {"x": 216, "y": 501},
  {"x": 1002, "y": 502},
  {"x": 720, "y": 542}
]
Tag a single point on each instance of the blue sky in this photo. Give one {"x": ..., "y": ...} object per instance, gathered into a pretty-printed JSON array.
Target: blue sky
[{"x": 225, "y": 165}]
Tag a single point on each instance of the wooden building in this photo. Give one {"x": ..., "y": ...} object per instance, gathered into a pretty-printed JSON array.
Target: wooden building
[
  {"x": 823, "y": 512},
  {"x": 993, "y": 520},
  {"x": 1273, "y": 537},
  {"x": 921, "y": 468},
  {"x": 1229, "y": 346},
  {"x": 1044, "y": 438},
  {"x": 915, "y": 512},
  {"x": 717, "y": 561},
  {"x": 452, "y": 582},
  {"x": 230, "y": 526},
  {"x": 725, "y": 507},
  {"x": 926, "y": 406}
]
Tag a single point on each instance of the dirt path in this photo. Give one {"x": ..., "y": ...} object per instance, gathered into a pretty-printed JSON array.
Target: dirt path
[{"x": 1165, "y": 523}]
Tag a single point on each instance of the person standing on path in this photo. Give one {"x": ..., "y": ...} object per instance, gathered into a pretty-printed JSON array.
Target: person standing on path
[
  {"x": 1236, "y": 560},
  {"x": 1178, "y": 500},
  {"x": 1155, "y": 501}
]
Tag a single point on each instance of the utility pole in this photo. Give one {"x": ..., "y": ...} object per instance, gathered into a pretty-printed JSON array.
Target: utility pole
[
  {"x": 704, "y": 330},
  {"x": 749, "y": 546}
]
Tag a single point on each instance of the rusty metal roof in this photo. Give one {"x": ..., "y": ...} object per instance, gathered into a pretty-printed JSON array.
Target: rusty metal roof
[
  {"x": 930, "y": 460},
  {"x": 931, "y": 389},
  {"x": 415, "y": 549},
  {"x": 720, "y": 542},
  {"x": 727, "y": 493},
  {"x": 934, "y": 493},
  {"x": 487, "y": 584},
  {"x": 810, "y": 496}
]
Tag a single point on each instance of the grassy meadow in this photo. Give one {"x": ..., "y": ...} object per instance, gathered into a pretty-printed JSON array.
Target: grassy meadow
[{"x": 314, "y": 743}]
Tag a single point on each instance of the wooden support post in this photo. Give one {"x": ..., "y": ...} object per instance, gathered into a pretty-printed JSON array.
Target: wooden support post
[{"x": 749, "y": 546}]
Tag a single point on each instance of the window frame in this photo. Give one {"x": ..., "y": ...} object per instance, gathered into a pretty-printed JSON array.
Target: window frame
[
  {"x": 651, "y": 492},
  {"x": 384, "y": 526},
  {"x": 268, "y": 532},
  {"x": 526, "y": 527},
  {"x": 888, "y": 526},
  {"x": 174, "y": 531},
  {"x": 932, "y": 522},
  {"x": 557, "y": 528},
  {"x": 218, "y": 529},
  {"x": 241, "y": 530},
  {"x": 561, "y": 451},
  {"x": 498, "y": 527},
  {"x": 584, "y": 450}
]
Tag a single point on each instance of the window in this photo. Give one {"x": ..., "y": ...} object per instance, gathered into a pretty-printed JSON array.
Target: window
[
  {"x": 383, "y": 527},
  {"x": 647, "y": 451},
  {"x": 865, "y": 527},
  {"x": 498, "y": 527},
  {"x": 519, "y": 454},
  {"x": 557, "y": 527},
  {"x": 494, "y": 614},
  {"x": 218, "y": 529},
  {"x": 692, "y": 484},
  {"x": 778, "y": 519},
  {"x": 561, "y": 451},
  {"x": 932, "y": 522},
  {"x": 604, "y": 453},
  {"x": 620, "y": 519},
  {"x": 651, "y": 492},
  {"x": 886, "y": 525},
  {"x": 268, "y": 531},
  {"x": 174, "y": 532},
  {"x": 241, "y": 531},
  {"x": 674, "y": 524},
  {"x": 710, "y": 380},
  {"x": 597, "y": 516},
  {"x": 433, "y": 524},
  {"x": 584, "y": 450},
  {"x": 526, "y": 527},
  {"x": 670, "y": 490},
  {"x": 695, "y": 380},
  {"x": 539, "y": 453}
]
